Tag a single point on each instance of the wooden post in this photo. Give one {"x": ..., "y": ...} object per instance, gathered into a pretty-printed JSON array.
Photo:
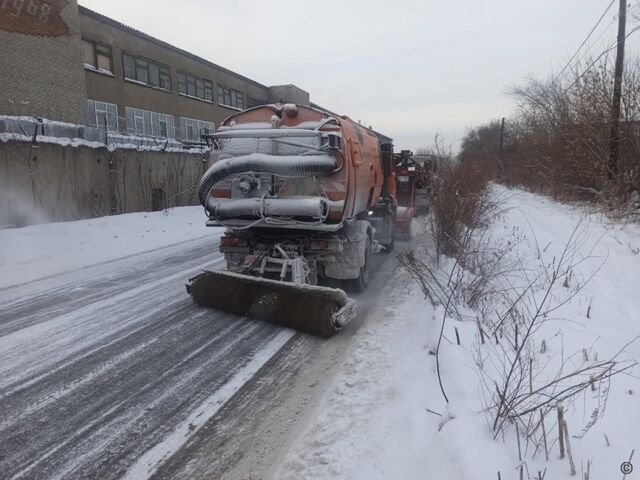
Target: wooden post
[
  {"x": 572, "y": 465},
  {"x": 560, "y": 426},
  {"x": 518, "y": 438},
  {"x": 501, "y": 154}
]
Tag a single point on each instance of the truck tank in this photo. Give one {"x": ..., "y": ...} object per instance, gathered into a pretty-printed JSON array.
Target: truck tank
[
  {"x": 302, "y": 193},
  {"x": 291, "y": 165}
]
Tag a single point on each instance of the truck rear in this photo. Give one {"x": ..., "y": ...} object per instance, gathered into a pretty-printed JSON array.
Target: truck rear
[{"x": 306, "y": 197}]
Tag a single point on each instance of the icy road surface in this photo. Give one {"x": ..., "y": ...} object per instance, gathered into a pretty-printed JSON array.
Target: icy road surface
[{"x": 111, "y": 371}]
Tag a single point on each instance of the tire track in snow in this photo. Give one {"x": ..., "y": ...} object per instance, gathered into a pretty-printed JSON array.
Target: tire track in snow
[
  {"x": 90, "y": 389},
  {"x": 37, "y": 347},
  {"x": 149, "y": 463},
  {"x": 24, "y": 305}
]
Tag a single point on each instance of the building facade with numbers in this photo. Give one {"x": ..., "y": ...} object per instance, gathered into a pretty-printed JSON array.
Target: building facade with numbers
[{"x": 65, "y": 62}]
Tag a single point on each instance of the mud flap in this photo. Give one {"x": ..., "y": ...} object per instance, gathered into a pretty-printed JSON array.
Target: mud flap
[{"x": 311, "y": 309}]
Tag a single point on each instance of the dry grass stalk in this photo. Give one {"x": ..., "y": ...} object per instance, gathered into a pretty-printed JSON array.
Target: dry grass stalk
[
  {"x": 572, "y": 465},
  {"x": 587, "y": 474},
  {"x": 544, "y": 436},
  {"x": 480, "y": 330},
  {"x": 560, "y": 411}
]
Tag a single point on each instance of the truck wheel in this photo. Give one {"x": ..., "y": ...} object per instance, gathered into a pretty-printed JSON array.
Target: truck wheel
[
  {"x": 388, "y": 248},
  {"x": 390, "y": 226},
  {"x": 361, "y": 283}
]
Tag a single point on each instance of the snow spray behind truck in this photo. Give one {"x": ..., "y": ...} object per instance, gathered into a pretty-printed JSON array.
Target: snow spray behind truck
[{"x": 306, "y": 196}]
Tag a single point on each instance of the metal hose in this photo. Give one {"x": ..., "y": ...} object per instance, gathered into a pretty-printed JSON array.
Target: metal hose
[{"x": 288, "y": 166}]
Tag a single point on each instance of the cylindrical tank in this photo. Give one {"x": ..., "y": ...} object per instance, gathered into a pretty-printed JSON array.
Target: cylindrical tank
[{"x": 291, "y": 152}]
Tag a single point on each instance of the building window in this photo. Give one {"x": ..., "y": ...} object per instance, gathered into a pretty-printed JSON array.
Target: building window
[
  {"x": 146, "y": 71},
  {"x": 228, "y": 97},
  {"x": 102, "y": 115},
  {"x": 150, "y": 124},
  {"x": 192, "y": 129},
  {"x": 97, "y": 56},
  {"x": 254, "y": 102},
  {"x": 196, "y": 87}
]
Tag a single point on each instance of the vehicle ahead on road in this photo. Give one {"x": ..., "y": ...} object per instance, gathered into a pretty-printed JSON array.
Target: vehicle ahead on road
[
  {"x": 412, "y": 192},
  {"x": 306, "y": 196}
]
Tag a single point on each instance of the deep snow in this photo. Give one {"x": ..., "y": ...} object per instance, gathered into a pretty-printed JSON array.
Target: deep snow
[
  {"x": 385, "y": 418},
  {"x": 38, "y": 251}
]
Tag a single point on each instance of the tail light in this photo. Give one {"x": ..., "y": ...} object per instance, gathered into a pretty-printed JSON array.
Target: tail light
[{"x": 233, "y": 242}]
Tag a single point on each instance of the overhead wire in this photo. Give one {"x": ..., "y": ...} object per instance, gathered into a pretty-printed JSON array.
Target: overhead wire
[
  {"x": 587, "y": 38},
  {"x": 603, "y": 53},
  {"x": 615, "y": 45}
]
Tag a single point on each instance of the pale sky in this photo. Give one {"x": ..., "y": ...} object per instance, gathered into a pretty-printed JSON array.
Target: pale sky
[{"x": 409, "y": 68}]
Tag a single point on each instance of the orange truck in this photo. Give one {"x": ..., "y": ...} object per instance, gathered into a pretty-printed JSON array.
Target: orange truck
[{"x": 306, "y": 197}]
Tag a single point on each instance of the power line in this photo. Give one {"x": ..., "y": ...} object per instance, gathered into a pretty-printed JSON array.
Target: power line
[
  {"x": 612, "y": 47},
  {"x": 613, "y": 20},
  {"x": 586, "y": 39},
  {"x": 595, "y": 42},
  {"x": 602, "y": 34}
]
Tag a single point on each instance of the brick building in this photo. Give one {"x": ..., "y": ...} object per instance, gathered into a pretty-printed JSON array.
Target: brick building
[
  {"x": 41, "y": 74},
  {"x": 65, "y": 62}
]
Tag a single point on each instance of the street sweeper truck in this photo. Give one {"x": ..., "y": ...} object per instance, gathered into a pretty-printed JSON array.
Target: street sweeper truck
[{"x": 306, "y": 197}]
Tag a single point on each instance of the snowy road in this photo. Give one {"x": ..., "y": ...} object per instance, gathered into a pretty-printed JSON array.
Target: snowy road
[{"x": 111, "y": 371}]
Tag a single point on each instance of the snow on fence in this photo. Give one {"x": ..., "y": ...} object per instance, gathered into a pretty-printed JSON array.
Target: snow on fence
[
  {"x": 46, "y": 178},
  {"x": 42, "y": 130}
]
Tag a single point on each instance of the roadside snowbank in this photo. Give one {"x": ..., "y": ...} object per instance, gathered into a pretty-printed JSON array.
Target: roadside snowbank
[
  {"x": 38, "y": 251},
  {"x": 385, "y": 418},
  {"x": 381, "y": 417}
]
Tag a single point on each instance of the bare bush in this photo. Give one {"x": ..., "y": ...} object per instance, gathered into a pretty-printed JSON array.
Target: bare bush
[
  {"x": 512, "y": 298},
  {"x": 460, "y": 203},
  {"x": 558, "y": 141}
]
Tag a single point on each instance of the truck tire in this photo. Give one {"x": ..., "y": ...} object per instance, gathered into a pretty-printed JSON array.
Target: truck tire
[
  {"x": 360, "y": 284},
  {"x": 388, "y": 248},
  {"x": 390, "y": 224}
]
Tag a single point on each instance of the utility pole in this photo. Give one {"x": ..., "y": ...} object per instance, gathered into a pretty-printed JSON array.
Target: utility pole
[
  {"x": 614, "y": 139},
  {"x": 501, "y": 152}
]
